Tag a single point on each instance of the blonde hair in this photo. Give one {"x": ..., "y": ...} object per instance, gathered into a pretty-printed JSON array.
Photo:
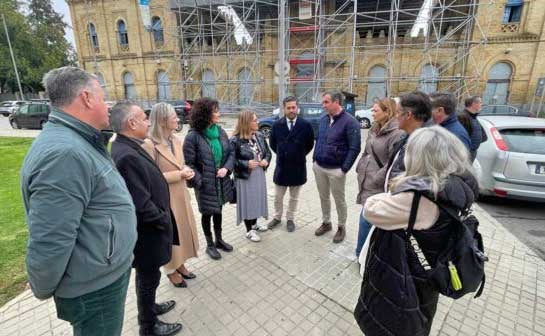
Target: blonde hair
[
  {"x": 159, "y": 115},
  {"x": 389, "y": 106},
  {"x": 434, "y": 153},
  {"x": 244, "y": 122}
]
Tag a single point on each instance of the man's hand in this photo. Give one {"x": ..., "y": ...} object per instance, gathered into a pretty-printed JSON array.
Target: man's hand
[
  {"x": 263, "y": 163},
  {"x": 253, "y": 164},
  {"x": 222, "y": 172}
]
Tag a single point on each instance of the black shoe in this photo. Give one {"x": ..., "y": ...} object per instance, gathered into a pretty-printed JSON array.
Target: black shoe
[
  {"x": 273, "y": 223},
  {"x": 163, "y": 329},
  {"x": 211, "y": 249},
  {"x": 164, "y": 307},
  {"x": 290, "y": 225},
  {"x": 221, "y": 244},
  {"x": 187, "y": 276}
]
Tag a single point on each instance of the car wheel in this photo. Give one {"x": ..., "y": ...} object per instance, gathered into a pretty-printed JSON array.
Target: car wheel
[
  {"x": 14, "y": 124},
  {"x": 365, "y": 123},
  {"x": 266, "y": 130}
]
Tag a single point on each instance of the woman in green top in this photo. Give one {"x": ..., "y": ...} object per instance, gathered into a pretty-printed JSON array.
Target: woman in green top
[{"x": 208, "y": 153}]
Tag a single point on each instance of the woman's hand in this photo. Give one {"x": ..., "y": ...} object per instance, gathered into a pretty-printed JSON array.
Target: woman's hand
[
  {"x": 253, "y": 164},
  {"x": 263, "y": 163},
  {"x": 187, "y": 173},
  {"x": 222, "y": 172}
]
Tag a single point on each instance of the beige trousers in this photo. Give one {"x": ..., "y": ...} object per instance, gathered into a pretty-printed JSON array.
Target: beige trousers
[
  {"x": 331, "y": 181},
  {"x": 279, "y": 192}
]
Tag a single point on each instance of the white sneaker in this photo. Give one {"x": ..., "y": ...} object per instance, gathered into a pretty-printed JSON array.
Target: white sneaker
[
  {"x": 261, "y": 227},
  {"x": 253, "y": 236}
]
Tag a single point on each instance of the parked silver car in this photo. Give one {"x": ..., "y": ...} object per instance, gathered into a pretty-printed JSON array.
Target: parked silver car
[
  {"x": 7, "y": 107},
  {"x": 512, "y": 159}
]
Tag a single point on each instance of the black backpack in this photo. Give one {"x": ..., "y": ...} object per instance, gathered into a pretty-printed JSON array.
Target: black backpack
[{"x": 459, "y": 268}]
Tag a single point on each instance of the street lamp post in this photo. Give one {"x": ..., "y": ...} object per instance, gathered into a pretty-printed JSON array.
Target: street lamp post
[{"x": 13, "y": 58}]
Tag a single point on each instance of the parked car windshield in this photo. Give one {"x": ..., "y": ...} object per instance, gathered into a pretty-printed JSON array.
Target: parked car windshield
[
  {"x": 499, "y": 109},
  {"x": 531, "y": 141}
]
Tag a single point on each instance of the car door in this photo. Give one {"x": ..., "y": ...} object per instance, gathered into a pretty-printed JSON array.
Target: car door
[
  {"x": 34, "y": 115},
  {"x": 312, "y": 114},
  {"x": 21, "y": 116}
]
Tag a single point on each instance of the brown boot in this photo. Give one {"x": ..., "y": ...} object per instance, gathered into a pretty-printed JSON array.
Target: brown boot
[
  {"x": 339, "y": 236},
  {"x": 323, "y": 229}
]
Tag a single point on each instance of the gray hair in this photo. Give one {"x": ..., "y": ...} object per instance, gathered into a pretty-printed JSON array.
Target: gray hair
[
  {"x": 159, "y": 115},
  {"x": 63, "y": 85},
  {"x": 120, "y": 113},
  {"x": 335, "y": 95},
  {"x": 435, "y": 153}
]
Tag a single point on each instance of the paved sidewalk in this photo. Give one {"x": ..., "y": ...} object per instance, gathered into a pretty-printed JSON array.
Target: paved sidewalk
[{"x": 299, "y": 284}]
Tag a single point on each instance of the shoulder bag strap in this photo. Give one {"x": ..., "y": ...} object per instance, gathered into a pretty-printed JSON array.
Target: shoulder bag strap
[
  {"x": 411, "y": 242},
  {"x": 380, "y": 164}
]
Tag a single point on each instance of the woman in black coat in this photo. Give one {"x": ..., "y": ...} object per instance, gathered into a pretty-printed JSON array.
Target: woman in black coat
[
  {"x": 208, "y": 153},
  {"x": 252, "y": 157}
]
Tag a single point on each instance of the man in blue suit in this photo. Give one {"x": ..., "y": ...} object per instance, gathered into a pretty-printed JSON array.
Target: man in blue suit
[{"x": 291, "y": 139}]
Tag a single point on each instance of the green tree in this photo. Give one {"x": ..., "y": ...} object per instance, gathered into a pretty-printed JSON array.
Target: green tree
[{"x": 38, "y": 43}]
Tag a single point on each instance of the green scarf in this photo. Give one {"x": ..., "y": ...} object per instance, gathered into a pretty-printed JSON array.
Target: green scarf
[{"x": 212, "y": 134}]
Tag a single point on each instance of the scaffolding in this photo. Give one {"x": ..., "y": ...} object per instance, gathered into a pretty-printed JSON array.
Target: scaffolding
[{"x": 254, "y": 53}]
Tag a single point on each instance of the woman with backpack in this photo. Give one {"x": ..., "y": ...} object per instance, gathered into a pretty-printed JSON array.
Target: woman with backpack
[
  {"x": 396, "y": 296},
  {"x": 373, "y": 162}
]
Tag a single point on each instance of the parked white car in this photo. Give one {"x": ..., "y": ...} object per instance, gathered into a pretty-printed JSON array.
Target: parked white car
[
  {"x": 8, "y": 107},
  {"x": 512, "y": 159},
  {"x": 365, "y": 117}
]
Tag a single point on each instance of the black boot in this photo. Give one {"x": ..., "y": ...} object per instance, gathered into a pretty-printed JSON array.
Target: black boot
[
  {"x": 220, "y": 243},
  {"x": 211, "y": 248}
]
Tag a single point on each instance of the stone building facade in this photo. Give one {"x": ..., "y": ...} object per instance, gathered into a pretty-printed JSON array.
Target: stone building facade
[{"x": 507, "y": 68}]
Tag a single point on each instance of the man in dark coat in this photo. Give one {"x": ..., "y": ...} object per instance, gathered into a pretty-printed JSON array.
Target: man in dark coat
[
  {"x": 149, "y": 191},
  {"x": 468, "y": 119},
  {"x": 291, "y": 139}
]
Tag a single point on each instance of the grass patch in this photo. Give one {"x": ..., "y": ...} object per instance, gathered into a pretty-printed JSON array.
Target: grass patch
[{"x": 13, "y": 229}]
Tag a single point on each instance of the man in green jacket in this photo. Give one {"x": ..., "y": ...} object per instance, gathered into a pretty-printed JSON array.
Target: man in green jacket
[{"x": 80, "y": 215}]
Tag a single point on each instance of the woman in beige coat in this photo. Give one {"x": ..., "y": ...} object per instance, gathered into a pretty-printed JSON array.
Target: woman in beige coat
[{"x": 165, "y": 147}]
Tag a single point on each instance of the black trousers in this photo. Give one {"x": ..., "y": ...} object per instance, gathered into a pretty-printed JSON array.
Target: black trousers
[
  {"x": 147, "y": 282},
  {"x": 206, "y": 224},
  {"x": 249, "y": 223}
]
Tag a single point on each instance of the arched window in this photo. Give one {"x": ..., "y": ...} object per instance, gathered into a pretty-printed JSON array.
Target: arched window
[
  {"x": 429, "y": 77},
  {"x": 245, "y": 87},
  {"x": 157, "y": 30},
  {"x": 497, "y": 85},
  {"x": 102, "y": 83},
  {"x": 122, "y": 33},
  {"x": 208, "y": 84},
  {"x": 163, "y": 86},
  {"x": 304, "y": 90},
  {"x": 376, "y": 88},
  {"x": 93, "y": 36},
  {"x": 128, "y": 84}
]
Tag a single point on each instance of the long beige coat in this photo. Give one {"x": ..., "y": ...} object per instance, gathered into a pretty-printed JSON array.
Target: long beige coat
[{"x": 180, "y": 199}]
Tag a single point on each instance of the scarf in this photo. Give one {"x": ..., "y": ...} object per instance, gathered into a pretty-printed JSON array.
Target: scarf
[{"x": 212, "y": 134}]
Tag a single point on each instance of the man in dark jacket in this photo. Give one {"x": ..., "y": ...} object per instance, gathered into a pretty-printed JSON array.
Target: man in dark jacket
[
  {"x": 413, "y": 112},
  {"x": 443, "y": 112},
  {"x": 291, "y": 139},
  {"x": 468, "y": 119},
  {"x": 337, "y": 147},
  {"x": 149, "y": 191}
]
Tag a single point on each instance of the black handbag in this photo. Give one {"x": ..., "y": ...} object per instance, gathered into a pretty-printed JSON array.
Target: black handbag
[{"x": 459, "y": 267}]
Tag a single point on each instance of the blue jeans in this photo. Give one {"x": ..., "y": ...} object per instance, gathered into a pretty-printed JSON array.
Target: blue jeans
[
  {"x": 99, "y": 313},
  {"x": 363, "y": 232}
]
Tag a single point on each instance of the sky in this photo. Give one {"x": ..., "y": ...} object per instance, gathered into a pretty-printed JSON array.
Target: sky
[{"x": 61, "y": 7}]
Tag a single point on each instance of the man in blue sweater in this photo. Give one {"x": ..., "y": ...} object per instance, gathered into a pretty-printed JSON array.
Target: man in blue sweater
[
  {"x": 337, "y": 147},
  {"x": 443, "y": 112}
]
